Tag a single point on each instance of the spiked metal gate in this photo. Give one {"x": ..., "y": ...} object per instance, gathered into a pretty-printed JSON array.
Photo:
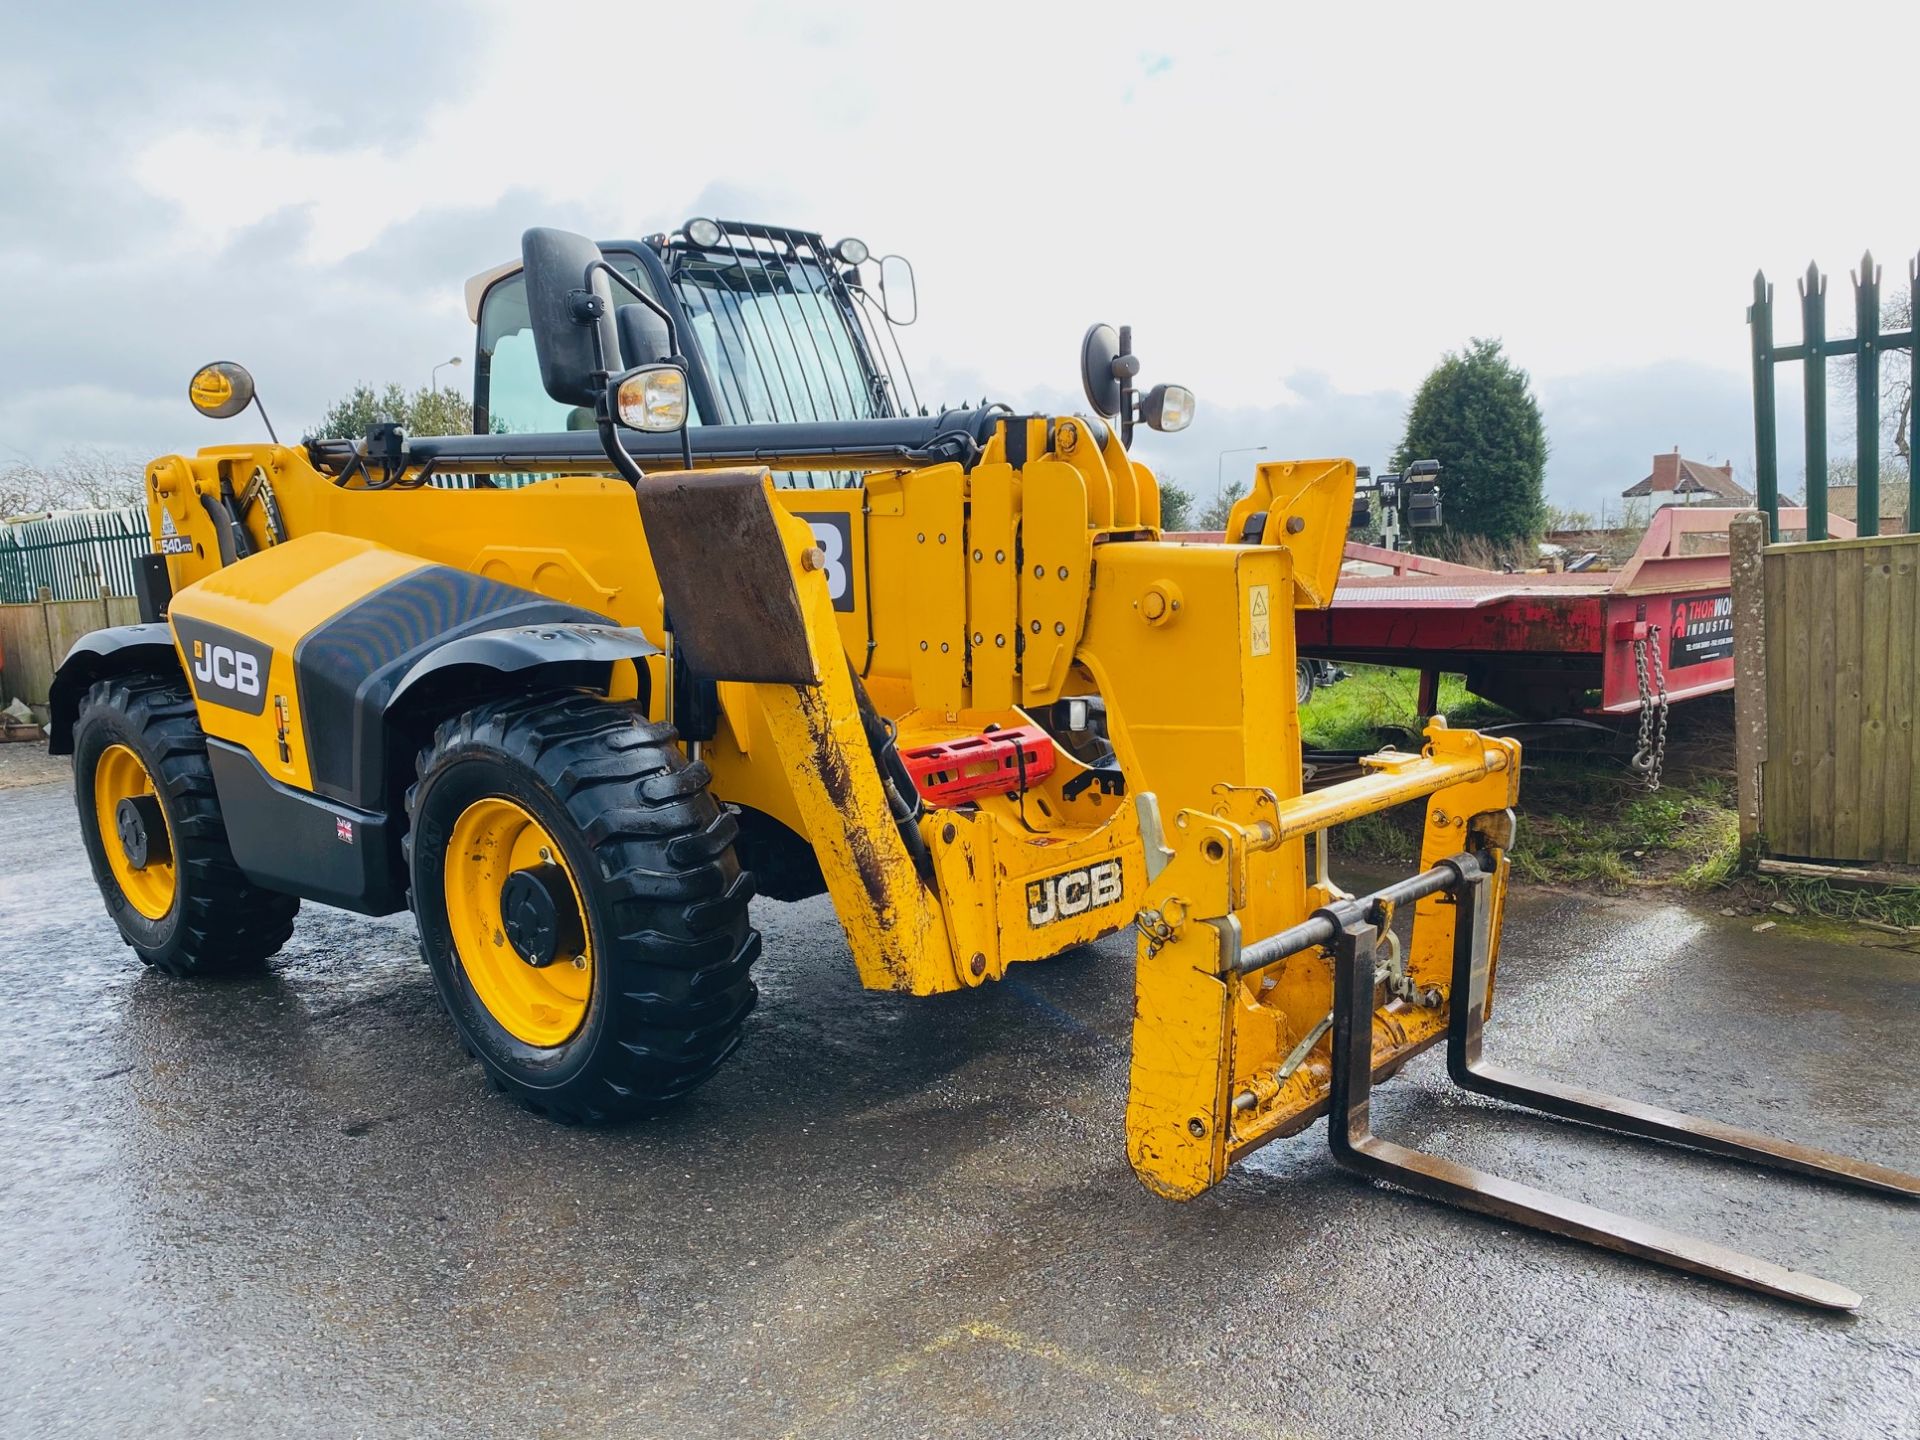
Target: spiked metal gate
[
  {"x": 1829, "y": 689},
  {"x": 1866, "y": 345}
]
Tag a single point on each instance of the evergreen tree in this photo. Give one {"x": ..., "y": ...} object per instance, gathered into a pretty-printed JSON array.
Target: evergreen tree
[
  {"x": 1176, "y": 504},
  {"x": 1475, "y": 414},
  {"x": 423, "y": 412}
]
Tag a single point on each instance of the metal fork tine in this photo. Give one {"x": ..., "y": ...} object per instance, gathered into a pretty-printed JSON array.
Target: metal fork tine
[
  {"x": 1354, "y": 1146},
  {"x": 1590, "y": 1107},
  {"x": 1569, "y": 1102}
]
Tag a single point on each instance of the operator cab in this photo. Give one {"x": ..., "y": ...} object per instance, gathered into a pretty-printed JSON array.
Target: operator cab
[{"x": 777, "y": 327}]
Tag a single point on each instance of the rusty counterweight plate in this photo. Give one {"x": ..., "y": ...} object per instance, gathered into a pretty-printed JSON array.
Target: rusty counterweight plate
[{"x": 723, "y": 570}]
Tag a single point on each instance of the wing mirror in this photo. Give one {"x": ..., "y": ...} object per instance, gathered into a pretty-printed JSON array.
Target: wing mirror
[
  {"x": 645, "y": 338},
  {"x": 899, "y": 297},
  {"x": 580, "y": 340},
  {"x": 570, "y": 309},
  {"x": 1107, "y": 370},
  {"x": 223, "y": 389}
]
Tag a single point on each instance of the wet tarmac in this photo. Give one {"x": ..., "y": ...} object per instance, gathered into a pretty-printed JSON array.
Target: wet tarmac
[{"x": 289, "y": 1206}]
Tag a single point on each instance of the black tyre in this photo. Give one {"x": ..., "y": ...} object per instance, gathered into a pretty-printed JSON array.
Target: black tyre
[
  {"x": 580, "y": 904},
  {"x": 152, "y": 826},
  {"x": 1303, "y": 681}
]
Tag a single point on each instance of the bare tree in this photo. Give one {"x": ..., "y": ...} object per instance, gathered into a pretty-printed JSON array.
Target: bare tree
[
  {"x": 1896, "y": 377},
  {"x": 82, "y": 478},
  {"x": 19, "y": 489},
  {"x": 1215, "y": 513},
  {"x": 1561, "y": 517}
]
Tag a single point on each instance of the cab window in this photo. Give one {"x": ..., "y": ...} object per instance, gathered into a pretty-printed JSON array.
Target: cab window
[{"x": 510, "y": 398}]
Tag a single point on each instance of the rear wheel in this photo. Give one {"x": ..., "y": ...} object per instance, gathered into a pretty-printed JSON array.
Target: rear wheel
[
  {"x": 580, "y": 905},
  {"x": 1303, "y": 680},
  {"x": 153, "y": 832}
]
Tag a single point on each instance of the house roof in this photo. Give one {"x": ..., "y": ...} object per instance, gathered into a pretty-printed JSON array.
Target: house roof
[
  {"x": 1673, "y": 475},
  {"x": 1845, "y": 500}
]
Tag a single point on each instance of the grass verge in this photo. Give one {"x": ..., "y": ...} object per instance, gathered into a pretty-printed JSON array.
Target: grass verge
[{"x": 1586, "y": 819}]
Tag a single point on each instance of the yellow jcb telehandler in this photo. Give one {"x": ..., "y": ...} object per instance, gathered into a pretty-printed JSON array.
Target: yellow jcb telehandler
[{"x": 710, "y": 604}]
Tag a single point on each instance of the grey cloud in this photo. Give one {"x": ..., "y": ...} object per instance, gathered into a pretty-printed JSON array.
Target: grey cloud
[
  {"x": 725, "y": 200},
  {"x": 99, "y": 363},
  {"x": 1603, "y": 427},
  {"x": 438, "y": 249},
  {"x": 102, "y": 319},
  {"x": 100, "y": 355},
  {"x": 88, "y": 84},
  {"x": 347, "y": 73},
  {"x": 1606, "y": 427},
  {"x": 1322, "y": 421}
]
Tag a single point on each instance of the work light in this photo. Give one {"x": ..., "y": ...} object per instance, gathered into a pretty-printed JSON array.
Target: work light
[
  {"x": 1167, "y": 407},
  {"x": 652, "y": 398},
  {"x": 704, "y": 233}
]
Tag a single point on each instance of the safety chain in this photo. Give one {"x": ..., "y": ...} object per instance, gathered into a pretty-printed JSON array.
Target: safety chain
[{"x": 1653, "y": 708}]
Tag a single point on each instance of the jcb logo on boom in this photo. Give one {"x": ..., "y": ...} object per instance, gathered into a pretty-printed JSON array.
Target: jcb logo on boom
[
  {"x": 227, "y": 668},
  {"x": 1061, "y": 897}
]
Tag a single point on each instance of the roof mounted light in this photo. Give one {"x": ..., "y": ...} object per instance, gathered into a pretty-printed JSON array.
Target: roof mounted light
[
  {"x": 703, "y": 232},
  {"x": 851, "y": 251}
]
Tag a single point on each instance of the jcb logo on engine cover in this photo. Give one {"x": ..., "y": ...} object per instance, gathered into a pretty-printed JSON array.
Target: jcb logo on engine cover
[
  {"x": 1061, "y": 897},
  {"x": 227, "y": 669}
]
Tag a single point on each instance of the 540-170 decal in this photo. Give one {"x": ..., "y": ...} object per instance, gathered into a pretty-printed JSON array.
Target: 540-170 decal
[{"x": 1061, "y": 897}]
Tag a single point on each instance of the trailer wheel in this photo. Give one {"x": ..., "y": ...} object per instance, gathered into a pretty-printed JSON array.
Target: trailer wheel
[
  {"x": 1303, "y": 679},
  {"x": 151, "y": 823},
  {"x": 580, "y": 904}
]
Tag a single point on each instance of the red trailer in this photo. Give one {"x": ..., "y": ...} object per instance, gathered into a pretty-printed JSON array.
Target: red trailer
[{"x": 1539, "y": 644}]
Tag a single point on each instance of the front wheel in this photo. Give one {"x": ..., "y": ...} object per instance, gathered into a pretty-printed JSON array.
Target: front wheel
[
  {"x": 151, "y": 822},
  {"x": 580, "y": 905}
]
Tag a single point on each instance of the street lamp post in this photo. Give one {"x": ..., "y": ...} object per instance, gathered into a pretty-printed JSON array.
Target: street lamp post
[
  {"x": 433, "y": 381},
  {"x": 1219, "y": 467}
]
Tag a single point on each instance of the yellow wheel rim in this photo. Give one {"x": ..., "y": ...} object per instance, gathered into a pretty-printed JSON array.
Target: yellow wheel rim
[
  {"x": 119, "y": 775},
  {"x": 541, "y": 1005}
]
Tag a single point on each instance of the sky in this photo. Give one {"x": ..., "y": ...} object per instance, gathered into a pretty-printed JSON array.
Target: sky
[{"x": 1299, "y": 208}]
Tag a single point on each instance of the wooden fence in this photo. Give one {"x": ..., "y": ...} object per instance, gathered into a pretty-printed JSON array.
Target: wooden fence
[
  {"x": 1829, "y": 697},
  {"x": 35, "y": 638}
]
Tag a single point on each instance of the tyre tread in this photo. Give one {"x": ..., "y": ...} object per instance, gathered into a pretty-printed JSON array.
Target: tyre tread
[
  {"x": 226, "y": 923},
  {"x": 678, "y": 946}
]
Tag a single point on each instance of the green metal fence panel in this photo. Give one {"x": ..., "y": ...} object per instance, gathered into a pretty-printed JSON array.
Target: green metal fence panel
[
  {"x": 1813, "y": 326},
  {"x": 1867, "y": 344},
  {"x": 1866, "y": 394},
  {"x": 72, "y": 556}
]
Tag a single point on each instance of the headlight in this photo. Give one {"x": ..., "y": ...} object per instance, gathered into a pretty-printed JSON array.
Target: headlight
[
  {"x": 851, "y": 252},
  {"x": 1176, "y": 412},
  {"x": 704, "y": 233},
  {"x": 1167, "y": 407},
  {"x": 653, "y": 399}
]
